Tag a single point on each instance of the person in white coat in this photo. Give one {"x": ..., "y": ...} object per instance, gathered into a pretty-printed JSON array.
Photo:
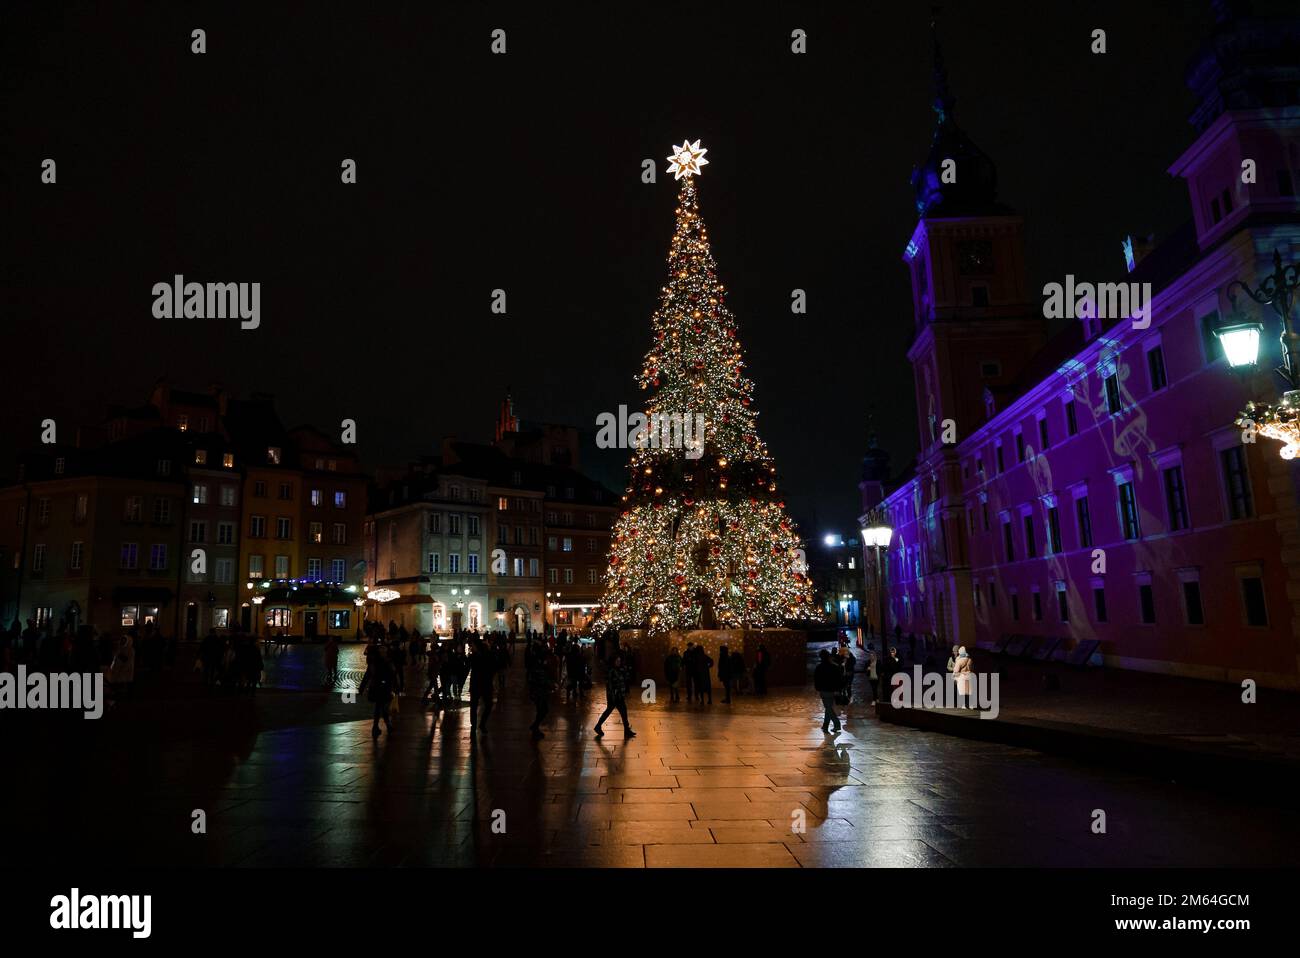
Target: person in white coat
[
  {"x": 122, "y": 672},
  {"x": 964, "y": 676}
]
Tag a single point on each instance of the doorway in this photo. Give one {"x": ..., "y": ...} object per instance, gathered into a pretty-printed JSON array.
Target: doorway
[
  {"x": 309, "y": 625},
  {"x": 191, "y": 621}
]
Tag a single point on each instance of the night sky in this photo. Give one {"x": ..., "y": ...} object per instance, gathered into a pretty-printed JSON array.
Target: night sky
[{"x": 522, "y": 172}]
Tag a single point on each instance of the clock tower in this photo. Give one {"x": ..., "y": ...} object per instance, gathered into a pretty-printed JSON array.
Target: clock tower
[{"x": 976, "y": 328}]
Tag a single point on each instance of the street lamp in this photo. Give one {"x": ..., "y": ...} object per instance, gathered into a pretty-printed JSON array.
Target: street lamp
[
  {"x": 1241, "y": 345},
  {"x": 877, "y": 536},
  {"x": 551, "y": 606}
]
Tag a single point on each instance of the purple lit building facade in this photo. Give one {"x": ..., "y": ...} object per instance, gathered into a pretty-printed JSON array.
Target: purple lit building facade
[{"x": 1093, "y": 485}]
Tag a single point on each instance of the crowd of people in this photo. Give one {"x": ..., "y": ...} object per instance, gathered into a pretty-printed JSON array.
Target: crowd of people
[{"x": 468, "y": 658}]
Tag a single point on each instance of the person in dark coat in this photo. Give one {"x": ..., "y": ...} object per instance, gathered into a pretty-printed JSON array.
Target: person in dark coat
[
  {"x": 673, "y": 672},
  {"x": 616, "y": 679},
  {"x": 828, "y": 678},
  {"x": 688, "y": 670},
  {"x": 738, "y": 670},
  {"x": 377, "y": 685},
  {"x": 724, "y": 673},
  {"x": 702, "y": 676},
  {"x": 762, "y": 662},
  {"x": 537, "y": 666},
  {"x": 482, "y": 666}
]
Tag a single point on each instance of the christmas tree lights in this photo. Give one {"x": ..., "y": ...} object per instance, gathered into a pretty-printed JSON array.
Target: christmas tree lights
[{"x": 703, "y": 541}]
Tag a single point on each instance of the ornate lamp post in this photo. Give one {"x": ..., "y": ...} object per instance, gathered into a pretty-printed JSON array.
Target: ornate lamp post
[
  {"x": 877, "y": 536},
  {"x": 1241, "y": 345}
]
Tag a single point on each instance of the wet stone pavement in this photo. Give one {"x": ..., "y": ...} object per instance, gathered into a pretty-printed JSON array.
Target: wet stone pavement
[{"x": 294, "y": 778}]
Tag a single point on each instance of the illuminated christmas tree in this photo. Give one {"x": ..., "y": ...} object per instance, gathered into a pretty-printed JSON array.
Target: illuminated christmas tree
[{"x": 704, "y": 541}]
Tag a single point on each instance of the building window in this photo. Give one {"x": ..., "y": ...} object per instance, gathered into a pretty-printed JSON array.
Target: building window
[
  {"x": 1071, "y": 418},
  {"x": 1008, "y": 543},
  {"x": 552, "y": 543},
  {"x": 503, "y": 503},
  {"x": 1085, "y": 522},
  {"x": 553, "y": 576},
  {"x": 433, "y": 562},
  {"x": 340, "y": 500},
  {"x": 1192, "y": 602},
  {"x": 568, "y": 544},
  {"x": 286, "y": 490},
  {"x": 74, "y": 560},
  {"x": 453, "y": 562},
  {"x": 313, "y": 570},
  {"x": 79, "y": 510},
  {"x": 200, "y": 496},
  {"x": 453, "y": 525},
  {"x": 228, "y": 460},
  {"x": 279, "y": 618},
  {"x": 227, "y": 495},
  {"x": 282, "y": 527},
  {"x": 1044, "y": 441},
  {"x": 158, "y": 557},
  {"x": 59, "y": 464},
  {"x": 273, "y": 455},
  {"x": 314, "y": 532},
  {"x": 1156, "y": 368},
  {"x": 340, "y": 618},
  {"x": 1237, "y": 483},
  {"x": 1053, "y": 529},
  {"x": 256, "y": 567},
  {"x": 43, "y": 511},
  {"x": 1147, "y": 603},
  {"x": 257, "y": 527},
  {"x": 1062, "y": 602},
  {"x": 1099, "y": 602},
  {"x": 473, "y": 563},
  {"x": 225, "y": 572},
  {"x": 164, "y": 467},
  {"x": 1038, "y": 606},
  {"x": 130, "y": 615},
  {"x": 162, "y": 510},
  {"x": 225, "y": 533},
  {"x": 534, "y": 568},
  {"x": 1128, "y": 511},
  {"x": 1252, "y": 598},
  {"x": 282, "y": 567},
  {"x": 259, "y": 489},
  {"x": 38, "y": 557},
  {"x": 518, "y": 565},
  {"x": 568, "y": 576},
  {"x": 1015, "y": 606},
  {"x": 1020, "y": 447},
  {"x": 1031, "y": 542},
  {"x": 435, "y": 522},
  {"x": 134, "y": 509},
  {"x": 340, "y": 536},
  {"x": 1175, "y": 498},
  {"x": 200, "y": 457},
  {"x": 1113, "y": 402},
  {"x": 338, "y": 570},
  {"x": 471, "y": 523},
  {"x": 129, "y": 557},
  {"x": 198, "y": 531},
  {"x": 221, "y": 618},
  {"x": 998, "y": 455}
]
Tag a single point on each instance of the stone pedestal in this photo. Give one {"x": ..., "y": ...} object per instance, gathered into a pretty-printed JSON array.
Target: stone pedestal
[{"x": 786, "y": 646}]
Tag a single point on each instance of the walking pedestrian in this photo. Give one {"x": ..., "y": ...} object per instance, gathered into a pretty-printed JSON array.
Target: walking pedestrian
[
  {"x": 616, "y": 678},
  {"x": 827, "y": 680},
  {"x": 537, "y": 666},
  {"x": 724, "y": 673},
  {"x": 673, "y": 672},
  {"x": 377, "y": 685},
  {"x": 703, "y": 680},
  {"x": 482, "y": 665}
]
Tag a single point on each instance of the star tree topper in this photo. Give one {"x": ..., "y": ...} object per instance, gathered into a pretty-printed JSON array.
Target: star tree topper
[{"x": 687, "y": 160}]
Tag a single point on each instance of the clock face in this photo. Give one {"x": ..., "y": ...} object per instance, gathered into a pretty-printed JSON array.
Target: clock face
[{"x": 975, "y": 257}]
